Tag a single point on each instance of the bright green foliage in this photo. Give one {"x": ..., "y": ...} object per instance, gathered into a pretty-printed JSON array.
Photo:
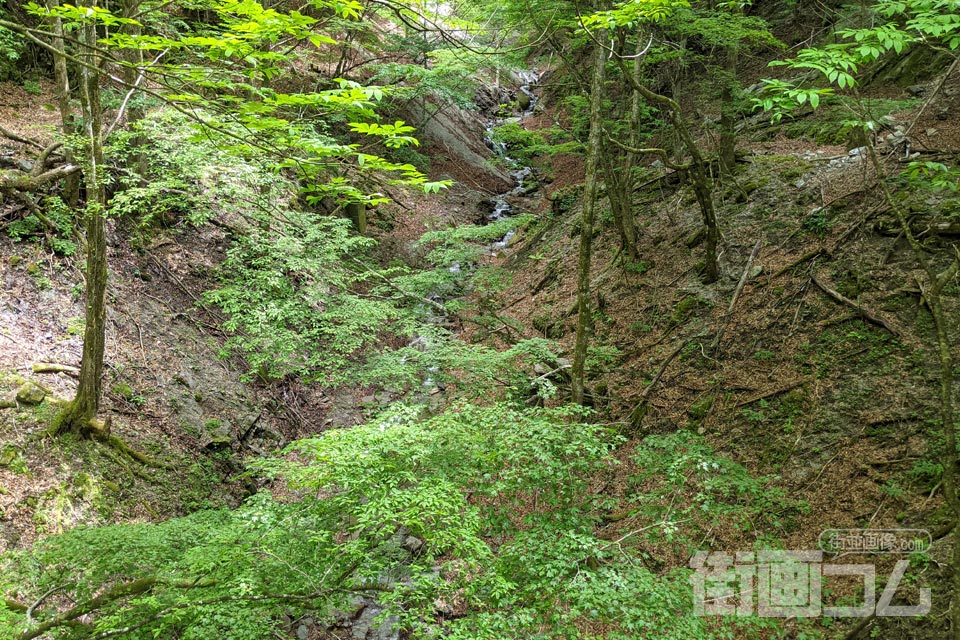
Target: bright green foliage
[
  {"x": 720, "y": 27},
  {"x": 450, "y": 77},
  {"x": 497, "y": 495},
  {"x": 632, "y": 13},
  {"x": 783, "y": 96},
  {"x": 60, "y": 238},
  {"x": 522, "y": 144},
  {"x": 12, "y": 48},
  {"x": 936, "y": 21},
  {"x": 231, "y": 574},
  {"x": 713, "y": 487},
  {"x": 221, "y": 78},
  {"x": 188, "y": 178},
  {"x": 289, "y": 291},
  {"x": 934, "y": 174}
]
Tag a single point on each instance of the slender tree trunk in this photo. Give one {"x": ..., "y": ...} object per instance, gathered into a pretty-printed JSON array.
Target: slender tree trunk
[
  {"x": 584, "y": 321},
  {"x": 79, "y": 416},
  {"x": 699, "y": 176},
  {"x": 626, "y": 219},
  {"x": 71, "y": 187},
  {"x": 138, "y": 162},
  {"x": 703, "y": 190},
  {"x": 728, "y": 134},
  {"x": 948, "y": 420}
]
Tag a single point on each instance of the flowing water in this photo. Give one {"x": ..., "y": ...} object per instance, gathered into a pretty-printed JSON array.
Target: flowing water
[{"x": 501, "y": 207}]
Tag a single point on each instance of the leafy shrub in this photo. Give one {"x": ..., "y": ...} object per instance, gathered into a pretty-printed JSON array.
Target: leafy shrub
[
  {"x": 12, "y": 48},
  {"x": 497, "y": 496},
  {"x": 57, "y": 212},
  {"x": 715, "y": 487},
  {"x": 521, "y": 144}
]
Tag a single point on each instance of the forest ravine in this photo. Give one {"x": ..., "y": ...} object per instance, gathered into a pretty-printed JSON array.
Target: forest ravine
[{"x": 348, "y": 317}]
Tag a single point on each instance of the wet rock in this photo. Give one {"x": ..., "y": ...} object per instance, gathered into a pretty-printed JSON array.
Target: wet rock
[
  {"x": 30, "y": 393},
  {"x": 489, "y": 99},
  {"x": 523, "y": 101}
]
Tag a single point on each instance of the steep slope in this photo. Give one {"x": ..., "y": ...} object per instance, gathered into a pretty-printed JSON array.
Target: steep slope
[{"x": 812, "y": 361}]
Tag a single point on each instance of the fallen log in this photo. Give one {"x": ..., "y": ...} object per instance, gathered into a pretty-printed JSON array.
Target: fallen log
[
  {"x": 920, "y": 229},
  {"x": 53, "y": 367},
  {"x": 20, "y": 181}
]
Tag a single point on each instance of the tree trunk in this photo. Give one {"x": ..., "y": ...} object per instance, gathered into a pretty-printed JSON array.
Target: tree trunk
[
  {"x": 71, "y": 186},
  {"x": 134, "y": 58},
  {"x": 621, "y": 192},
  {"x": 932, "y": 295},
  {"x": 79, "y": 416},
  {"x": 703, "y": 190},
  {"x": 699, "y": 175},
  {"x": 584, "y": 323},
  {"x": 728, "y": 134}
]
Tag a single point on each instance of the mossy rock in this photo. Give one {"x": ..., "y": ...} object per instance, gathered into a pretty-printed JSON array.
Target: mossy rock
[
  {"x": 687, "y": 306},
  {"x": 11, "y": 457},
  {"x": 123, "y": 390},
  {"x": 699, "y": 409},
  {"x": 31, "y": 393}
]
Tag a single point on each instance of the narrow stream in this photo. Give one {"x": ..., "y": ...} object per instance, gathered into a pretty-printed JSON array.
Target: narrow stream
[
  {"x": 501, "y": 207},
  {"x": 363, "y": 626}
]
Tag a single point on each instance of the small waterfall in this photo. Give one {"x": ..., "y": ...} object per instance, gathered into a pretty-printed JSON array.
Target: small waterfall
[{"x": 501, "y": 208}]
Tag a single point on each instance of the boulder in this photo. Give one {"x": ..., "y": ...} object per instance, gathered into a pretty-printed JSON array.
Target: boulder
[{"x": 31, "y": 393}]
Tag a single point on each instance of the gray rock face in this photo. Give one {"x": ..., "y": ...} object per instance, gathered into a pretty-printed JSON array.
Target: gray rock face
[
  {"x": 367, "y": 628},
  {"x": 460, "y": 134},
  {"x": 412, "y": 544}
]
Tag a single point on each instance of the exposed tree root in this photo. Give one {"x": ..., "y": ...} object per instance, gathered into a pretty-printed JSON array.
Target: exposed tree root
[
  {"x": 53, "y": 367},
  {"x": 101, "y": 432}
]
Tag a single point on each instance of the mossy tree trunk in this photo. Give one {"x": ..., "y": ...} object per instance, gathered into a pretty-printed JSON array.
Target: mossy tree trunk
[
  {"x": 727, "y": 151},
  {"x": 79, "y": 416},
  {"x": 584, "y": 315},
  {"x": 699, "y": 173},
  {"x": 620, "y": 179},
  {"x": 131, "y": 75},
  {"x": 71, "y": 186},
  {"x": 932, "y": 293}
]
